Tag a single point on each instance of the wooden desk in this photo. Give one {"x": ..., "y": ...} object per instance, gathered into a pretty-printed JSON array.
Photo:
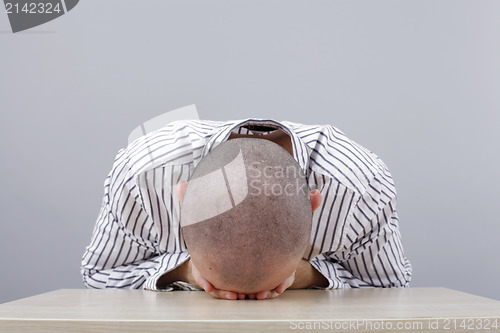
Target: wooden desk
[{"x": 349, "y": 310}]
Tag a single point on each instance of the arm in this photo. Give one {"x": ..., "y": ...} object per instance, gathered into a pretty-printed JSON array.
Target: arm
[
  {"x": 188, "y": 273},
  {"x": 307, "y": 276},
  {"x": 123, "y": 252},
  {"x": 304, "y": 277},
  {"x": 374, "y": 255}
]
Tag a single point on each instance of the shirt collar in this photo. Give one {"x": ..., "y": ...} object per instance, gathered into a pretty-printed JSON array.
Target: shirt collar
[{"x": 300, "y": 149}]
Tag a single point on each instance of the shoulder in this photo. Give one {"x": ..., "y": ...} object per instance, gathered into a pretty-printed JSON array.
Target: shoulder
[
  {"x": 174, "y": 143},
  {"x": 336, "y": 156}
]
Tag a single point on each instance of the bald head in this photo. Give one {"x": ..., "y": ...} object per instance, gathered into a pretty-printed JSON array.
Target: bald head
[{"x": 246, "y": 215}]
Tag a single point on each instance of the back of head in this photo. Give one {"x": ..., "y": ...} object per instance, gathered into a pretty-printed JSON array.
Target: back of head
[{"x": 246, "y": 215}]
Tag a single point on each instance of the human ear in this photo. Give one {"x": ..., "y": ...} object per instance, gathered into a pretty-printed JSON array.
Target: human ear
[
  {"x": 315, "y": 199},
  {"x": 180, "y": 188}
]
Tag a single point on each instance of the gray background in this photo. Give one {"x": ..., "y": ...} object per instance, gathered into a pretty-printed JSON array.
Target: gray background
[{"x": 417, "y": 82}]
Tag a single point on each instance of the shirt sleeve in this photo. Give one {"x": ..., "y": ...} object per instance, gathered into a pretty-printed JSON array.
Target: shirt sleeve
[
  {"x": 123, "y": 252},
  {"x": 375, "y": 256}
]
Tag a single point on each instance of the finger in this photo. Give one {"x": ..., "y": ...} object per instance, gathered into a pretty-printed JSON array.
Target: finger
[
  {"x": 267, "y": 294},
  {"x": 251, "y": 296},
  {"x": 285, "y": 284},
  {"x": 241, "y": 296},
  {"x": 223, "y": 294},
  {"x": 262, "y": 295},
  {"x": 207, "y": 286},
  {"x": 282, "y": 287},
  {"x": 273, "y": 294}
]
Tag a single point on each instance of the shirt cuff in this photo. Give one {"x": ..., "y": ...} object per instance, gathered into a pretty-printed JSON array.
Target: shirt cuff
[
  {"x": 325, "y": 268},
  {"x": 168, "y": 263}
]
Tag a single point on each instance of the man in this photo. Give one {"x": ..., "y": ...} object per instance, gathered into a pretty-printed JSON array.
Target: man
[{"x": 150, "y": 218}]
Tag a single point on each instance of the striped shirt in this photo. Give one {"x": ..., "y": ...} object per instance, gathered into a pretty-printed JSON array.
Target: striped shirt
[{"x": 355, "y": 239}]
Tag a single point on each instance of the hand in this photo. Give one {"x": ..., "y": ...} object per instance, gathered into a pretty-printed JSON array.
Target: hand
[
  {"x": 225, "y": 294},
  {"x": 305, "y": 276},
  {"x": 278, "y": 290},
  {"x": 193, "y": 276}
]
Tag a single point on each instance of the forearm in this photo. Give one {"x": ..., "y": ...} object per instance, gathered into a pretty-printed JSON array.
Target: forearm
[
  {"x": 132, "y": 276},
  {"x": 307, "y": 276},
  {"x": 182, "y": 273}
]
